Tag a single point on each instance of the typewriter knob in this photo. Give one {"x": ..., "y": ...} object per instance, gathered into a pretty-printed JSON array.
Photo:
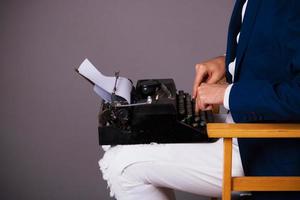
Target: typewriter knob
[
  {"x": 149, "y": 87},
  {"x": 104, "y": 118},
  {"x": 122, "y": 115}
]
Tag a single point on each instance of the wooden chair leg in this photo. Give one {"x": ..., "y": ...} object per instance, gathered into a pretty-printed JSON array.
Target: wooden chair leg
[{"x": 226, "y": 193}]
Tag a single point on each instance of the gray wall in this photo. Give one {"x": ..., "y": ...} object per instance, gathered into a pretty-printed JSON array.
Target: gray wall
[{"x": 48, "y": 114}]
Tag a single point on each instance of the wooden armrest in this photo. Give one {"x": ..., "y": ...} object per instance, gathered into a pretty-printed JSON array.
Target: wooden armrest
[
  {"x": 243, "y": 130},
  {"x": 251, "y": 130},
  {"x": 266, "y": 183}
]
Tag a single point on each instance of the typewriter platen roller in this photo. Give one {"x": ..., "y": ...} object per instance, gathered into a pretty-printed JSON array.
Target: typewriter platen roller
[{"x": 157, "y": 114}]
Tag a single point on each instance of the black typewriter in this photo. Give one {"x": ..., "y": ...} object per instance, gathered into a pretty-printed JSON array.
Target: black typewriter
[{"x": 157, "y": 114}]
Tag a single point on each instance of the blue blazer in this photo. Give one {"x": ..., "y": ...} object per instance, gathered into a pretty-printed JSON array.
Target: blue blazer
[{"x": 267, "y": 83}]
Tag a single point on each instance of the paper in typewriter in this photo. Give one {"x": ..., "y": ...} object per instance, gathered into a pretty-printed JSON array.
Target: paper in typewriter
[{"x": 104, "y": 85}]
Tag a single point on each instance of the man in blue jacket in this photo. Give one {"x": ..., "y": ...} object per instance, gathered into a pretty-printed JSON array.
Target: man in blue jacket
[
  {"x": 263, "y": 72},
  {"x": 262, "y": 68}
]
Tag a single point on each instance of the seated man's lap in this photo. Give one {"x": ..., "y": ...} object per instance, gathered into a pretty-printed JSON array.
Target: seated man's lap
[{"x": 195, "y": 168}]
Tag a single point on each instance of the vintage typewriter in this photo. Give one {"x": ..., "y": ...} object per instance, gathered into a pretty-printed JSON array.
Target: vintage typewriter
[{"x": 157, "y": 114}]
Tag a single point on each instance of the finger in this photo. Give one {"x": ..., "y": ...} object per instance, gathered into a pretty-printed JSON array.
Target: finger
[
  {"x": 201, "y": 103},
  {"x": 212, "y": 79},
  {"x": 199, "y": 98},
  {"x": 200, "y": 74},
  {"x": 198, "y": 104},
  {"x": 208, "y": 107},
  {"x": 196, "y": 107},
  {"x": 202, "y": 100}
]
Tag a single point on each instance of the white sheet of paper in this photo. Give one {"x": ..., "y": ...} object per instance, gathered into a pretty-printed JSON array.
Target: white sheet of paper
[
  {"x": 102, "y": 93},
  {"x": 104, "y": 85}
]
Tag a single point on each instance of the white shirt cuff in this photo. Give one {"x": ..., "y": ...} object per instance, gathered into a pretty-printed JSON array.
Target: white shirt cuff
[{"x": 226, "y": 97}]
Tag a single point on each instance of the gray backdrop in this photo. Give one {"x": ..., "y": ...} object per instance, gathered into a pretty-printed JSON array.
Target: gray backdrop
[{"x": 48, "y": 114}]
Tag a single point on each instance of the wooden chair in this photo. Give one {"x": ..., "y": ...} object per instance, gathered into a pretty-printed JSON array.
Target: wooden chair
[{"x": 253, "y": 183}]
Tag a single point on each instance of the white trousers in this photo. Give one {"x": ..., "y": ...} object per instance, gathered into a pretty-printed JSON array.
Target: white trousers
[{"x": 152, "y": 172}]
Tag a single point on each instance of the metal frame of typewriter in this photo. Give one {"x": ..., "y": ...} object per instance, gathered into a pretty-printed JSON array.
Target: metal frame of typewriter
[{"x": 157, "y": 114}]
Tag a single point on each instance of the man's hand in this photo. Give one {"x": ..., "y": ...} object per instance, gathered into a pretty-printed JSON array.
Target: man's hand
[
  {"x": 209, "y": 94},
  {"x": 210, "y": 72}
]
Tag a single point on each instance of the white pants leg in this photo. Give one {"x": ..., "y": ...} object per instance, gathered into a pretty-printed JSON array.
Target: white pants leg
[
  {"x": 145, "y": 171},
  {"x": 151, "y": 172}
]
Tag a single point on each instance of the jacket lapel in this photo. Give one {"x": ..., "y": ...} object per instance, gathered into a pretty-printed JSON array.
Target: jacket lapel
[
  {"x": 246, "y": 30},
  {"x": 234, "y": 28}
]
